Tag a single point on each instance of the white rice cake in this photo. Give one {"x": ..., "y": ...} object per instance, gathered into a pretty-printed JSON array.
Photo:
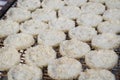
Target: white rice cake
[
  {"x": 19, "y": 41},
  {"x": 62, "y": 24},
  {"x": 109, "y": 27},
  {"x": 93, "y": 7},
  {"x": 51, "y": 37},
  {"x": 40, "y": 55},
  {"x": 101, "y": 59},
  {"x": 89, "y": 19},
  {"x": 76, "y": 3},
  {"x": 112, "y": 4},
  {"x": 106, "y": 41},
  {"x": 9, "y": 57},
  {"x": 44, "y": 15},
  {"x": 8, "y": 27},
  {"x": 112, "y": 15},
  {"x": 28, "y": 4},
  {"x": 74, "y": 48},
  {"x": 25, "y": 72},
  {"x": 82, "y": 33},
  {"x": 53, "y": 4},
  {"x": 33, "y": 27},
  {"x": 64, "y": 68},
  {"x": 93, "y": 74},
  {"x": 18, "y": 14},
  {"x": 70, "y": 12},
  {"x": 99, "y": 1}
]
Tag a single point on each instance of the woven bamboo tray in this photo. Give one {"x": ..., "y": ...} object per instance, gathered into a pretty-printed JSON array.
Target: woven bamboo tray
[{"x": 3, "y": 74}]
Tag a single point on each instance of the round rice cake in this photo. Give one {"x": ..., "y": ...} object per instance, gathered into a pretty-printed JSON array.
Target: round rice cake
[
  {"x": 89, "y": 19},
  {"x": 113, "y": 4},
  {"x": 44, "y": 15},
  {"x": 40, "y": 55},
  {"x": 109, "y": 27},
  {"x": 9, "y": 57},
  {"x": 93, "y": 7},
  {"x": 25, "y": 72},
  {"x": 29, "y": 4},
  {"x": 112, "y": 15},
  {"x": 70, "y": 12},
  {"x": 106, "y": 41},
  {"x": 53, "y": 4},
  {"x": 93, "y": 74},
  {"x": 74, "y": 48},
  {"x": 51, "y": 37},
  {"x": 19, "y": 41},
  {"x": 33, "y": 27},
  {"x": 82, "y": 33},
  {"x": 18, "y": 14},
  {"x": 8, "y": 27},
  {"x": 76, "y": 3},
  {"x": 64, "y": 68},
  {"x": 101, "y": 59},
  {"x": 98, "y": 1},
  {"x": 62, "y": 24}
]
